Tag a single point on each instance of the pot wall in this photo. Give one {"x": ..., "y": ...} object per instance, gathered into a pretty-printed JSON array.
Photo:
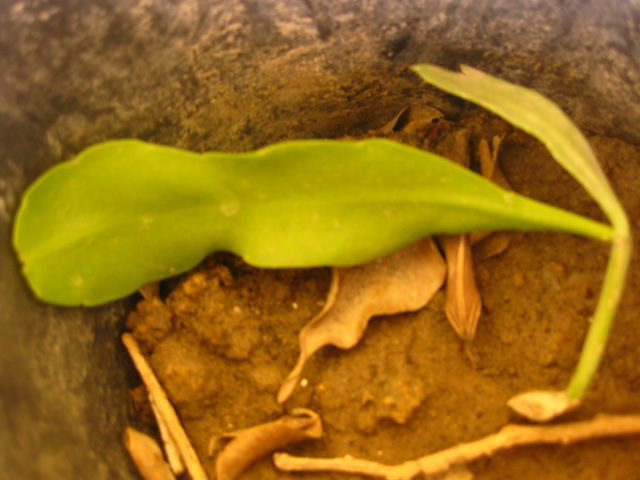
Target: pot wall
[{"x": 236, "y": 75}]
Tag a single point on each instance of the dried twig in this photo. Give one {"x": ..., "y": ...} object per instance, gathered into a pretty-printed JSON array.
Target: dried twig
[
  {"x": 170, "y": 448},
  {"x": 508, "y": 437},
  {"x": 147, "y": 456},
  {"x": 167, "y": 412}
]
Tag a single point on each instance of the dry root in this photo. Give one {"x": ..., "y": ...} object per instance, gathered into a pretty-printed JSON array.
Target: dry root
[{"x": 442, "y": 462}]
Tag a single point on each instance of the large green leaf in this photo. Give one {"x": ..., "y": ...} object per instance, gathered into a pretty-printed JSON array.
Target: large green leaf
[{"x": 125, "y": 212}]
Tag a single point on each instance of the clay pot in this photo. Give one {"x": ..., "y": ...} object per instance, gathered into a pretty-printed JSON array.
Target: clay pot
[{"x": 236, "y": 75}]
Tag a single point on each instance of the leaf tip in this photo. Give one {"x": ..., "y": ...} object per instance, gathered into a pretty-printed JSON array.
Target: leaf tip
[{"x": 471, "y": 72}]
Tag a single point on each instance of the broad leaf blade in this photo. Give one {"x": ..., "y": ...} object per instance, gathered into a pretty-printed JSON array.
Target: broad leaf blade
[{"x": 124, "y": 213}]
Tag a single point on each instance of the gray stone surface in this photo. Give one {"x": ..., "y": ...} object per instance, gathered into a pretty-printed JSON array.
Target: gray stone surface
[{"x": 235, "y": 75}]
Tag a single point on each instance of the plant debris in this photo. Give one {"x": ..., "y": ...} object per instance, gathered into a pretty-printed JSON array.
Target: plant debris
[
  {"x": 463, "y": 304},
  {"x": 165, "y": 410},
  {"x": 403, "y": 281},
  {"x": 247, "y": 446},
  {"x": 438, "y": 463},
  {"x": 147, "y": 456}
]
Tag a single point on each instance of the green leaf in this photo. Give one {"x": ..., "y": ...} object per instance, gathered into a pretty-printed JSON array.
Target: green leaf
[
  {"x": 124, "y": 213},
  {"x": 537, "y": 115}
]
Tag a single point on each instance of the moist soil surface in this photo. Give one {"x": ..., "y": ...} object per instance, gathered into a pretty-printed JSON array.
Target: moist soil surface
[{"x": 222, "y": 338}]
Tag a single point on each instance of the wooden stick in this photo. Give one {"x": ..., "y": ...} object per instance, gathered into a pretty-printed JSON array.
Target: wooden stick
[
  {"x": 166, "y": 410},
  {"x": 171, "y": 450},
  {"x": 440, "y": 462}
]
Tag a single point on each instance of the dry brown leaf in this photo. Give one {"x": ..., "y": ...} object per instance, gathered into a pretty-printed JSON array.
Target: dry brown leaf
[
  {"x": 146, "y": 455},
  {"x": 488, "y": 159},
  {"x": 411, "y": 117},
  {"x": 249, "y": 445},
  {"x": 463, "y": 303},
  {"x": 490, "y": 246},
  {"x": 403, "y": 281},
  {"x": 494, "y": 242}
]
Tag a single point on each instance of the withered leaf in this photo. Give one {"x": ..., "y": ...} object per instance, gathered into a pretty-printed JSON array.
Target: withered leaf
[
  {"x": 490, "y": 244},
  {"x": 463, "y": 303},
  {"x": 412, "y": 116},
  {"x": 488, "y": 159},
  {"x": 249, "y": 445},
  {"x": 146, "y": 455},
  {"x": 402, "y": 281}
]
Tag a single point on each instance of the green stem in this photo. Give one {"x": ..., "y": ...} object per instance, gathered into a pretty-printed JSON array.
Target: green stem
[{"x": 612, "y": 288}]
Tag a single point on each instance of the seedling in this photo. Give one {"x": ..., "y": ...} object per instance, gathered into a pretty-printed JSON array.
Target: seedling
[
  {"x": 124, "y": 213},
  {"x": 540, "y": 117}
]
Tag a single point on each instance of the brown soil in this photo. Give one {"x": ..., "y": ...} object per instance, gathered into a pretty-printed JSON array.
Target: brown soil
[{"x": 225, "y": 337}]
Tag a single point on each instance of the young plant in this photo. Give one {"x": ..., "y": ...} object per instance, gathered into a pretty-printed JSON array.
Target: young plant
[
  {"x": 537, "y": 115},
  {"x": 124, "y": 213}
]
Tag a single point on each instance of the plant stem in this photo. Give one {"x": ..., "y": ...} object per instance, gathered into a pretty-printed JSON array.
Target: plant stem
[{"x": 598, "y": 334}]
